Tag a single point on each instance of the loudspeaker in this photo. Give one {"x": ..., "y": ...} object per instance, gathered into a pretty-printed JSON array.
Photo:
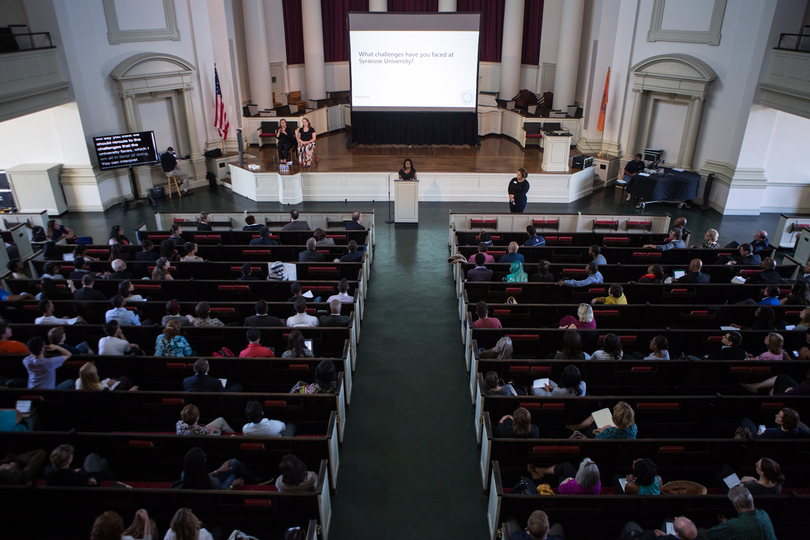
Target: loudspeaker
[
  {"x": 241, "y": 144},
  {"x": 582, "y": 162}
]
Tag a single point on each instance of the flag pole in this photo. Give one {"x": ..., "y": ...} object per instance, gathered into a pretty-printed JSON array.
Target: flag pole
[{"x": 602, "y": 113}]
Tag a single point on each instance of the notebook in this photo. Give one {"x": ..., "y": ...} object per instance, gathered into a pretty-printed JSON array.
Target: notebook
[
  {"x": 308, "y": 343},
  {"x": 732, "y": 480},
  {"x": 23, "y": 406},
  {"x": 224, "y": 383},
  {"x": 678, "y": 274},
  {"x": 622, "y": 482},
  {"x": 603, "y": 418},
  {"x": 540, "y": 383}
]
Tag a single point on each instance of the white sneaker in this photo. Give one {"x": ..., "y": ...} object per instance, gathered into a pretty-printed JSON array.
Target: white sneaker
[{"x": 628, "y": 198}]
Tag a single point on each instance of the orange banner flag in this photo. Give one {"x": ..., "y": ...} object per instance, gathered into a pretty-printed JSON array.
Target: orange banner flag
[{"x": 603, "y": 109}]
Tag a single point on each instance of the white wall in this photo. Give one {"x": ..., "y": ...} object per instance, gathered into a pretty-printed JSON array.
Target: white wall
[
  {"x": 51, "y": 136},
  {"x": 788, "y": 147},
  {"x": 550, "y": 36},
  {"x": 12, "y": 12},
  {"x": 667, "y": 126}
]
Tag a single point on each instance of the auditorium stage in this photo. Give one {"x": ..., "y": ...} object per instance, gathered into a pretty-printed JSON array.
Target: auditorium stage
[{"x": 446, "y": 173}]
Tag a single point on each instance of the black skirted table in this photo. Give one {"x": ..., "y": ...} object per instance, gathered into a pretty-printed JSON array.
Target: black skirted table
[{"x": 671, "y": 186}]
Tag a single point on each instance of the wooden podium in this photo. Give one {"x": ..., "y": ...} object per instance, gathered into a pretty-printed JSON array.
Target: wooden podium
[
  {"x": 406, "y": 201},
  {"x": 556, "y": 150}
]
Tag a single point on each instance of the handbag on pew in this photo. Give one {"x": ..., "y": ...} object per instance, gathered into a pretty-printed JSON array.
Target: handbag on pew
[
  {"x": 525, "y": 487},
  {"x": 511, "y": 301}
]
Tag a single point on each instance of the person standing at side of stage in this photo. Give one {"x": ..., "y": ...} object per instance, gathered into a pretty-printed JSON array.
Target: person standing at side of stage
[{"x": 518, "y": 188}]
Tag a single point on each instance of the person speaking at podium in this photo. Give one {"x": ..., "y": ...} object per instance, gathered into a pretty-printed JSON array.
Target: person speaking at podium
[
  {"x": 285, "y": 140},
  {"x": 518, "y": 188},
  {"x": 407, "y": 172}
]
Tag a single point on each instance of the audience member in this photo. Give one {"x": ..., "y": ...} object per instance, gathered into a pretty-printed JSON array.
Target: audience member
[
  {"x": 804, "y": 323},
  {"x": 201, "y": 381},
  {"x": 204, "y": 224},
  {"x": 22, "y": 469},
  {"x": 89, "y": 380},
  {"x": 747, "y": 257},
  {"x": 320, "y": 238},
  {"x": 264, "y": 238},
  {"x": 594, "y": 276},
  {"x": 114, "y": 343},
  {"x": 799, "y": 294},
  {"x": 543, "y": 274},
  {"x": 571, "y": 347},
  {"x": 771, "y": 297},
  {"x": 534, "y": 239},
  {"x": 570, "y": 385},
  {"x": 15, "y": 266},
  {"x": 731, "y": 348},
  {"x": 334, "y": 318},
  {"x": 480, "y": 272},
  {"x": 659, "y": 347},
  {"x": 261, "y": 318},
  {"x": 517, "y": 425},
  {"x": 296, "y": 346},
  {"x": 57, "y": 336},
  {"x": 769, "y": 274},
  {"x": 595, "y": 252},
  {"x": 173, "y": 314},
  {"x": 295, "y": 224},
  {"x": 46, "y": 308},
  {"x": 353, "y": 255},
  {"x": 231, "y": 475},
  {"x": 254, "y": 348},
  {"x": 655, "y": 274},
  {"x": 189, "y": 423},
  {"x": 294, "y": 476},
  {"x": 683, "y": 527},
  {"x": 611, "y": 349},
  {"x": 247, "y": 273},
  {"x": 512, "y": 254},
  {"x": 176, "y": 237},
  {"x": 644, "y": 479},
  {"x": 325, "y": 379},
  {"x": 615, "y": 296},
  {"x": 484, "y": 320},
  {"x": 774, "y": 342},
  {"x": 585, "y": 481},
  {"x": 786, "y": 419},
  {"x": 760, "y": 241},
  {"x": 483, "y": 248},
  {"x": 354, "y": 224},
  {"x": 310, "y": 255},
  {"x": 127, "y": 290},
  {"x": 781, "y": 385},
  {"x": 171, "y": 343},
  {"x": 186, "y": 526},
  {"x": 120, "y": 313},
  {"x": 168, "y": 249},
  {"x": 59, "y": 473},
  {"x": 87, "y": 293},
  {"x": 8, "y": 345},
  {"x": 749, "y": 523},
  {"x": 258, "y": 426},
  {"x": 537, "y": 528},
  {"x": 516, "y": 275},
  {"x": 148, "y": 254},
  {"x": 624, "y": 424},
  {"x": 52, "y": 271},
  {"x": 673, "y": 242},
  {"x": 496, "y": 386},
  {"x": 710, "y": 239},
  {"x": 301, "y": 318},
  {"x": 583, "y": 321},
  {"x": 191, "y": 253},
  {"x": 161, "y": 271},
  {"x": 695, "y": 275},
  {"x": 203, "y": 318},
  {"x": 343, "y": 293},
  {"x": 502, "y": 350},
  {"x": 142, "y": 528},
  {"x": 251, "y": 225},
  {"x": 119, "y": 267}
]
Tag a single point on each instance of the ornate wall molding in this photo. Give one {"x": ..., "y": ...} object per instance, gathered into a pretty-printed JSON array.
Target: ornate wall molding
[
  {"x": 116, "y": 35},
  {"x": 708, "y": 37}
]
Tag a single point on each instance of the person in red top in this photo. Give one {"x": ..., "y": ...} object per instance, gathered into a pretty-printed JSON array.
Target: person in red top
[
  {"x": 484, "y": 321},
  {"x": 255, "y": 349},
  {"x": 9, "y": 346}
]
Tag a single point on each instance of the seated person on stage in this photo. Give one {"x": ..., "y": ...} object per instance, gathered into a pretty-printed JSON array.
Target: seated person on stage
[
  {"x": 262, "y": 318},
  {"x": 594, "y": 276},
  {"x": 247, "y": 273},
  {"x": 114, "y": 343},
  {"x": 8, "y": 345},
  {"x": 482, "y": 248},
  {"x": 534, "y": 238},
  {"x": 353, "y": 255},
  {"x": 120, "y": 313},
  {"x": 168, "y": 161},
  {"x": 683, "y": 526},
  {"x": 730, "y": 350},
  {"x": 769, "y": 273},
  {"x": 781, "y": 385},
  {"x": 695, "y": 275},
  {"x": 630, "y": 171},
  {"x": 354, "y": 224},
  {"x": 251, "y": 225},
  {"x": 595, "y": 252},
  {"x": 285, "y": 140},
  {"x": 255, "y": 349},
  {"x": 310, "y": 255},
  {"x": 148, "y": 254},
  {"x": 205, "y": 222},
  {"x": 616, "y": 296},
  {"x": 201, "y": 381},
  {"x": 583, "y": 321},
  {"x": 749, "y": 523},
  {"x": 484, "y": 320},
  {"x": 258, "y": 426},
  {"x": 295, "y": 224},
  {"x": 407, "y": 172},
  {"x": 264, "y": 238},
  {"x": 343, "y": 293},
  {"x": 543, "y": 274},
  {"x": 301, "y": 318},
  {"x": 334, "y": 318},
  {"x": 189, "y": 423},
  {"x": 674, "y": 242},
  {"x": 41, "y": 370},
  {"x": 480, "y": 272},
  {"x": 537, "y": 528},
  {"x": 517, "y": 425},
  {"x": 787, "y": 421},
  {"x": 512, "y": 254}
]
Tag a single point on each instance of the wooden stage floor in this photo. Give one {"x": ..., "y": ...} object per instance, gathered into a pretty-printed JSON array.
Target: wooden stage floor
[{"x": 497, "y": 154}]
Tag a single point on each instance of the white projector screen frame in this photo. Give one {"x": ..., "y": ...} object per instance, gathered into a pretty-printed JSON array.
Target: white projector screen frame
[{"x": 414, "y": 62}]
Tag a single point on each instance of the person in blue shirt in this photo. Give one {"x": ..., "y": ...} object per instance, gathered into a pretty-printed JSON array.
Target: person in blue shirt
[
  {"x": 513, "y": 255},
  {"x": 534, "y": 238},
  {"x": 675, "y": 242},
  {"x": 593, "y": 277},
  {"x": 771, "y": 296}
]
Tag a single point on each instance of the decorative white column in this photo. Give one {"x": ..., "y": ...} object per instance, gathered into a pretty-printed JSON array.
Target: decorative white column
[
  {"x": 313, "y": 49},
  {"x": 258, "y": 58},
  {"x": 448, "y": 6},
  {"x": 511, "y": 48},
  {"x": 690, "y": 132},
  {"x": 130, "y": 112},
  {"x": 378, "y": 5},
  {"x": 565, "y": 80},
  {"x": 635, "y": 118},
  {"x": 197, "y": 159}
]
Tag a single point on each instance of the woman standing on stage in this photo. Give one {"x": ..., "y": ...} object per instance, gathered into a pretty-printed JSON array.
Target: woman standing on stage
[
  {"x": 518, "y": 188},
  {"x": 407, "y": 172},
  {"x": 306, "y": 143},
  {"x": 285, "y": 140}
]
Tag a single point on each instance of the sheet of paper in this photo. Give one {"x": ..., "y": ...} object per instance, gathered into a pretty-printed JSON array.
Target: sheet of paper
[
  {"x": 790, "y": 327},
  {"x": 670, "y": 528},
  {"x": 732, "y": 480},
  {"x": 309, "y": 294},
  {"x": 603, "y": 418},
  {"x": 643, "y": 174},
  {"x": 622, "y": 482},
  {"x": 540, "y": 383},
  {"x": 679, "y": 170},
  {"x": 23, "y": 406},
  {"x": 728, "y": 328},
  {"x": 224, "y": 383},
  {"x": 291, "y": 271}
]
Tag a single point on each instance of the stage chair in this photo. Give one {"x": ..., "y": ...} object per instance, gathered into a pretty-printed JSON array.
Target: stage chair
[{"x": 267, "y": 131}]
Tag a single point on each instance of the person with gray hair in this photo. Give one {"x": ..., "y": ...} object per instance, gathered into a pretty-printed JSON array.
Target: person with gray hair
[
  {"x": 585, "y": 481},
  {"x": 119, "y": 270},
  {"x": 749, "y": 523},
  {"x": 683, "y": 527},
  {"x": 310, "y": 255}
]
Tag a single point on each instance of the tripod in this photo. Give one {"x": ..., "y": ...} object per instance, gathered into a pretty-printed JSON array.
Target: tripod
[
  {"x": 389, "y": 220},
  {"x": 136, "y": 198}
]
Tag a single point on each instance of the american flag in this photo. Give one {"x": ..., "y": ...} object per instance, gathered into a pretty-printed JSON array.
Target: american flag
[{"x": 220, "y": 116}]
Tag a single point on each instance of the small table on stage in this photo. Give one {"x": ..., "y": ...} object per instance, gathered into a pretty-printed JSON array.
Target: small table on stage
[
  {"x": 672, "y": 186},
  {"x": 406, "y": 201}
]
